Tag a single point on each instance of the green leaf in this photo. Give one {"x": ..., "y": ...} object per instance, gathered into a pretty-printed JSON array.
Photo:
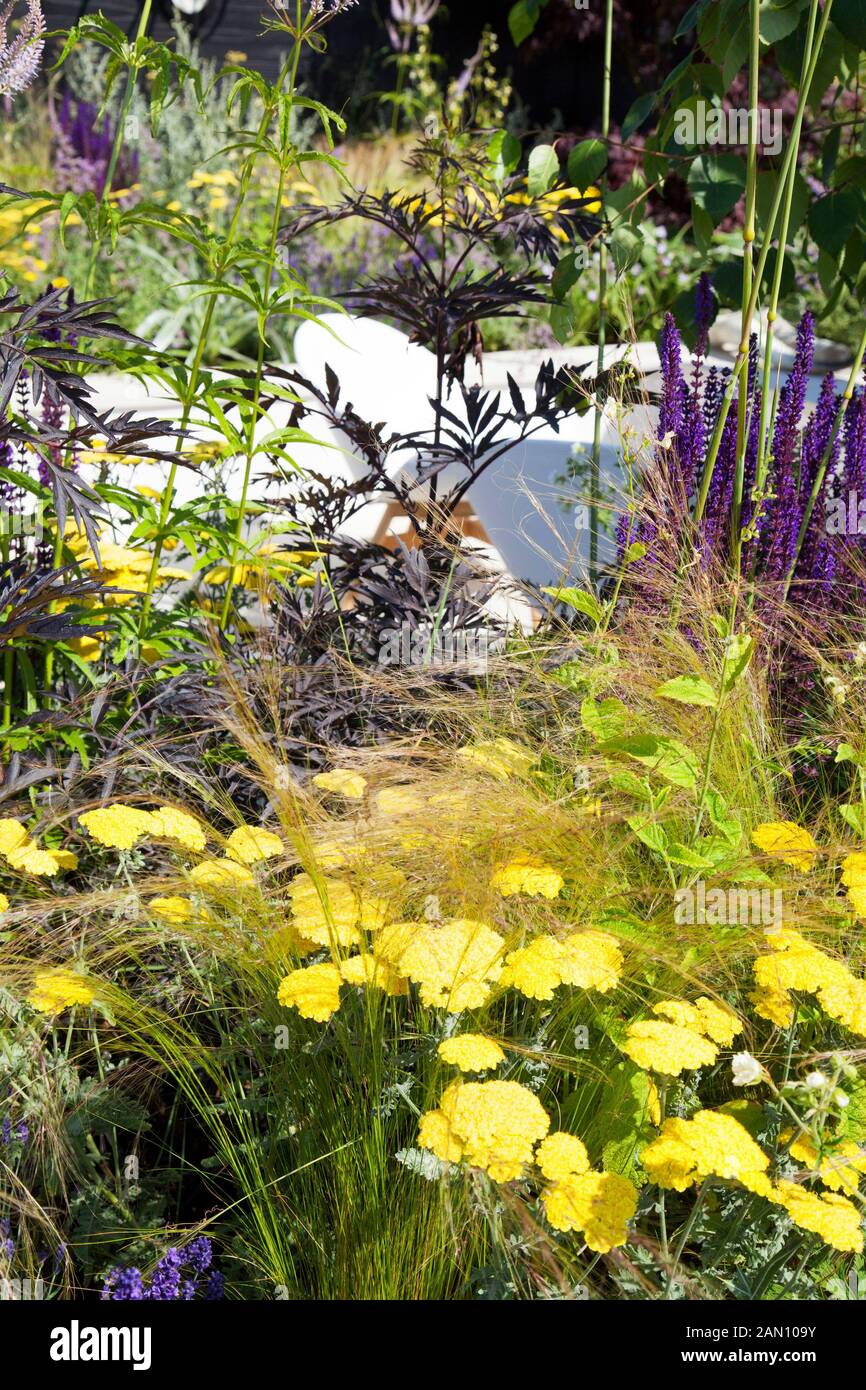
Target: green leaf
[
  {"x": 689, "y": 858},
  {"x": 724, "y": 821},
  {"x": 738, "y": 649},
  {"x": 579, "y": 600},
  {"x": 668, "y": 757},
  {"x": 637, "y": 114},
  {"x": 688, "y": 690},
  {"x": 777, "y": 21},
  {"x": 650, "y": 833},
  {"x": 849, "y": 16},
  {"x": 625, "y": 248},
  {"x": 522, "y": 19},
  {"x": 855, "y": 816},
  {"x": 604, "y": 719},
  {"x": 543, "y": 169},
  {"x": 503, "y": 153},
  {"x": 565, "y": 276},
  {"x": 691, "y": 18},
  {"x": 833, "y": 218},
  {"x": 586, "y": 163},
  {"x": 716, "y": 181}
]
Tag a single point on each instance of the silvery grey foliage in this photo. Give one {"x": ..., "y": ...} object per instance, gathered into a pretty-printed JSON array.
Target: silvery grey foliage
[{"x": 20, "y": 56}]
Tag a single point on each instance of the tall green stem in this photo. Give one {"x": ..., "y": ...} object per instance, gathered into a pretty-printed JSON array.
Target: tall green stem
[
  {"x": 748, "y": 269},
  {"x": 117, "y": 144},
  {"x": 189, "y": 393},
  {"x": 595, "y": 462},
  {"x": 784, "y": 189}
]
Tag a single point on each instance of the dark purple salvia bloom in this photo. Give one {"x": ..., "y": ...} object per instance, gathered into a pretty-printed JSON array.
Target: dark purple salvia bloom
[
  {"x": 779, "y": 535},
  {"x": 216, "y": 1287},
  {"x": 817, "y": 561},
  {"x": 199, "y": 1254},
  {"x": 167, "y": 1284},
  {"x": 84, "y": 147},
  {"x": 704, "y": 305},
  {"x": 673, "y": 394},
  {"x": 5, "y": 1130}
]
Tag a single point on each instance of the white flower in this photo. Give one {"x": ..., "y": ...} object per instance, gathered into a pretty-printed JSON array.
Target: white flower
[
  {"x": 815, "y": 1080},
  {"x": 841, "y": 1099},
  {"x": 860, "y": 654},
  {"x": 746, "y": 1068}
]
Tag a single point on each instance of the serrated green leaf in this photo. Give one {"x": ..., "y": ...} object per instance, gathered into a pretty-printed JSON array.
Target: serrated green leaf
[
  {"x": 604, "y": 719},
  {"x": 688, "y": 690},
  {"x": 543, "y": 169},
  {"x": 579, "y": 600},
  {"x": 586, "y": 163}
]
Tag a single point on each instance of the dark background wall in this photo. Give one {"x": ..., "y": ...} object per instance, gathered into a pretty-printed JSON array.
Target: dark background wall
[{"x": 557, "y": 74}]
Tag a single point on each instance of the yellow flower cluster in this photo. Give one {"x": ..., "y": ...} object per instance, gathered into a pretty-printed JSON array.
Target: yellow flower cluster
[
  {"x": 221, "y": 875},
  {"x": 833, "y": 1218},
  {"x": 527, "y": 875},
  {"x": 840, "y": 1170},
  {"x": 314, "y": 991},
  {"x": 795, "y": 964},
  {"x": 585, "y": 959},
  {"x": 329, "y": 911},
  {"x": 56, "y": 990},
  {"x": 471, "y": 1052},
  {"x": 788, "y": 842},
  {"x": 599, "y": 1205},
  {"x": 22, "y": 853},
  {"x": 342, "y": 783},
  {"x": 688, "y": 1036},
  {"x": 562, "y": 1155},
  {"x": 493, "y": 1125},
  {"x": 710, "y": 1144},
  {"x": 366, "y": 970},
  {"x": 499, "y": 757},
  {"x": 121, "y": 827},
  {"x": 854, "y": 879},
  {"x": 454, "y": 963},
  {"x": 172, "y": 909},
  {"x": 251, "y": 843}
]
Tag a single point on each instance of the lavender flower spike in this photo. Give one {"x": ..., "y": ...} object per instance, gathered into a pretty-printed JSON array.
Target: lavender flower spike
[{"x": 20, "y": 57}]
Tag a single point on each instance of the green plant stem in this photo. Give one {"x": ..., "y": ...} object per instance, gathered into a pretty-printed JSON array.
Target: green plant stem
[
  {"x": 825, "y": 459},
  {"x": 681, "y": 1245},
  {"x": 117, "y": 143},
  {"x": 748, "y": 269},
  {"x": 784, "y": 189},
  {"x": 189, "y": 393},
  {"x": 772, "y": 309},
  {"x": 262, "y": 343},
  {"x": 595, "y": 460}
]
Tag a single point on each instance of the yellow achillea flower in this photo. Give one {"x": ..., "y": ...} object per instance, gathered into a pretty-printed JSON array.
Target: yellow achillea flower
[
  {"x": 493, "y": 1125},
  {"x": 117, "y": 827},
  {"x": 599, "y": 1205},
  {"x": 56, "y": 990},
  {"x": 168, "y": 823},
  {"x": 704, "y": 1016},
  {"x": 668, "y": 1048},
  {"x": 527, "y": 875},
  {"x": 561, "y": 1155},
  {"x": 839, "y": 1170},
  {"x": 786, "y": 841},
  {"x": 368, "y": 970},
  {"x": 4, "y": 903},
  {"x": 33, "y": 860},
  {"x": 12, "y": 835},
  {"x": 286, "y": 941},
  {"x": 454, "y": 964},
  {"x": 221, "y": 873},
  {"x": 328, "y": 913},
  {"x": 314, "y": 991},
  {"x": 251, "y": 843},
  {"x": 342, "y": 782},
  {"x": 775, "y": 1005},
  {"x": 830, "y": 1216},
  {"x": 854, "y": 869},
  {"x": 499, "y": 757},
  {"x": 471, "y": 1052},
  {"x": 64, "y": 858},
  {"x": 534, "y": 970},
  {"x": 795, "y": 964},
  {"x": 710, "y": 1144},
  {"x": 587, "y": 959},
  {"x": 591, "y": 960},
  {"x": 173, "y": 909}
]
